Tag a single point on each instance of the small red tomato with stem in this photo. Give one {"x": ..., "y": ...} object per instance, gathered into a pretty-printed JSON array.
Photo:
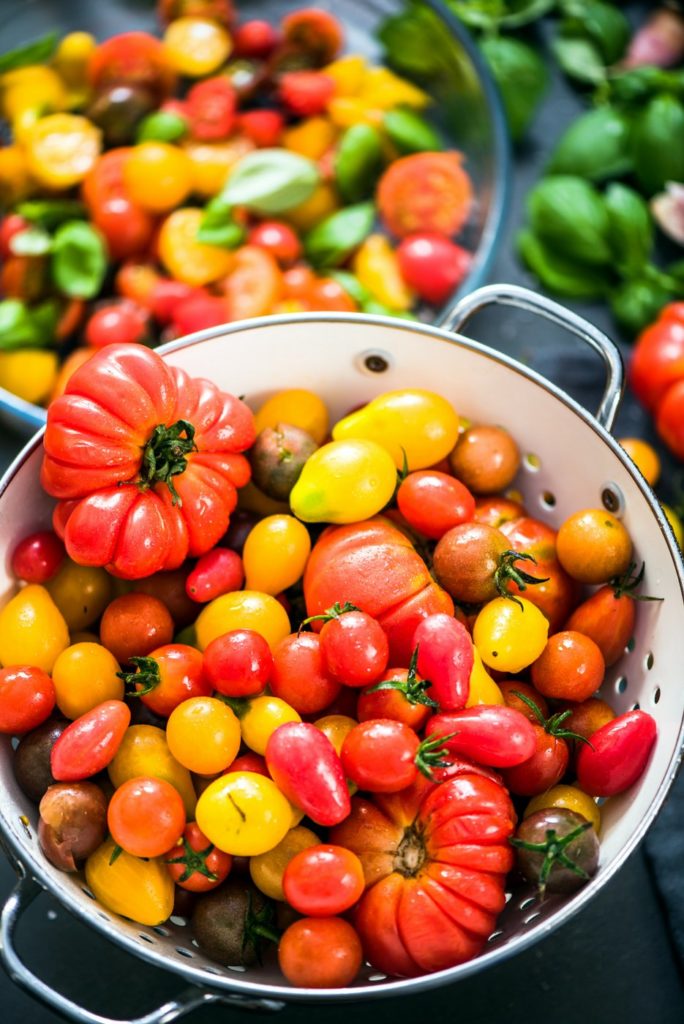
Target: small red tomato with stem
[
  {"x": 194, "y": 863},
  {"x": 323, "y": 880},
  {"x": 212, "y": 106},
  {"x": 146, "y": 816},
  {"x": 380, "y": 755},
  {"x": 168, "y": 676},
  {"x": 493, "y": 735},
  {"x": 121, "y": 322},
  {"x": 300, "y": 675},
  {"x": 445, "y": 657},
  {"x": 238, "y": 663},
  {"x": 433, "y": 265},
  {"x": 354, "y": 645},
  {"x": 400, "y": 695},
  {"x": 305, "y": 767},
  {"x": 88, "y": 745},
  {"x": 277, "y": 238},
  {"x": 571, "y": 667},
  {"x": 320, "y": 952},
  {"x": 27, "y": 698},
  {"x": 433, "y": 502},
  {"x": 38, "y": 557},
  {"x": 549, "y": 762},
  {"x": 617, "y": 754},
  {"x": 218, "y": 572}
]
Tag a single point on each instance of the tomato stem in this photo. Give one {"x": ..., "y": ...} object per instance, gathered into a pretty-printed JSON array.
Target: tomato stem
[
  {"x": 258, "y": 925},
  {"x": 194, "y": 860},
  {"x": 553, "y": 849},
  {"x": 431, "y": 754},
  {"x": 164, "y": 456},
  {"x": 625, "y": 585},
  {"x": 553, "y": 723},
  {"x": 506, "y": 570},
  {"x": 413, "y": 688},
  {"x": 331, "y": 613},
  {"x": 147, "y": 676}
]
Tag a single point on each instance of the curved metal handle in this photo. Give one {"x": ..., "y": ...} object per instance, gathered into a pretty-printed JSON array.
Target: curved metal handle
[
  {"x": 522, "y": 298},
  {"x": 21, "y": 896}
]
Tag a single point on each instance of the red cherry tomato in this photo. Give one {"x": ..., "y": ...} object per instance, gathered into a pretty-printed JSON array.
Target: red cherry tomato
[
  {"x": 305, "y": 767},
  {"x": 27, "y": 697},
  {"x": 544, "y": 769},
  {"x": 323, "y": 880},
  {"x": 146, "y": 816},
  {"x": 670, "y": 418},
  {"x": 298, "y": 282},
  {"x": 167, "y": 294},
  {"x": 658, "y": 356},
  {"x": 440, "y": 206},
  {"x": 128, "y": 229},
  {"x": 320, "y": 952},
  {"x": 168, "y": 676},
  {"x": 194, "y": 863},
  {"x": 445, "y": 657},
  {"x": 433, "y": 502},
  {"x": 618, "y": 754},
  {"x": 256, "y": 39},
  {"x": 90, "y": 742},
  {"x": 433, "y": 266},
  {"x": 238, "y": 663},
  {"x": 132, "y": 58},
  {"x": 198, "y": 312},
  {"x": 300, "y": 675},
  {"x": 404, "y": 699},
  {"x": 249, "y": 762},
  {"x": 37, "y": 558},
  {"x": 10, "y": 225},
  {"x": 305, "y": 93},
  {"x": 354, "y": 646},
  {"x": 277, "y": 238},
  {"x": 379, "y": 755},
  {"x": 495, "y": 735},
  {"x": 263, "y": 127},
  {"x": 218, "y": 572},
  {"x": 571, "y": 667},
  {"x": 328, "y": 294},
  {"x": 121, "y": 322},
  {"x": 211, "y": 106}
]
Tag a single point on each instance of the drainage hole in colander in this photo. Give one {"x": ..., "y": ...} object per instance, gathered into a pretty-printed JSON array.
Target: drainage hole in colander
[
  {"x": 213, "y": 970},
  {"x": 158, "y": 930},
  {"x": 103, "y": 916},
  {"x": 527, "y": 902},
  {"x": 531, "y": 462},
  {"x": 237, "y": 967},
  {"x": 88, "y": 893},
  {"x": 185, "y": 952},
  {"x": 531, "y": 917},
  {"x": 508, "y": 897},
  {"x": 547, "y": 499},
  {"x": 180, "y": 921},
  {"x": 649, "y": 661},
  {"x": 636, "y": 707},
  {"x": 373, "y": 362},
  {"x": 631, "y": 644},
  {"x": 656, "y": 695},
  {"x": 613, "y": 499},
  {"x": 195, "y": 942},
  {"x": 377, "y": 977},
  {"x": 495, "y": 935},
  {"x": 147, "y": 938},
  {"x": 621, "y": 684}
]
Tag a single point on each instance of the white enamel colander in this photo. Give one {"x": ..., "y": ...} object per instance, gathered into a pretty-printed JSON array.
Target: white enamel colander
[{"x": 570, "y": 461}]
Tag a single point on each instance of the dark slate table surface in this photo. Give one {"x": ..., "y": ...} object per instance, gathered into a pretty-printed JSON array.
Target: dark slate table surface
[{"x": 615, "y": 961}]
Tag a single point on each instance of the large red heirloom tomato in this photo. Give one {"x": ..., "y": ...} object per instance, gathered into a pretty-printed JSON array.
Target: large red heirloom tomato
[
  {"x": 146, "y": 460},
  {"x": 435, "y": 859},
  {"x": 375, "y": 567}
]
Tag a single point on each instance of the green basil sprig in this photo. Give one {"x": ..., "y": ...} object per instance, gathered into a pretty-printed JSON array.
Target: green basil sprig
[
  {"x": 218, "y": 226},
  {"x": 79, "y": 260},
  {"x": 522, "y": 78},
  {"x": 409, "y": 132},
  {"x": 335, "y": 238},
  {"x": 50, "y": 213},
  {"x": 37, "y": 52},
  {"x": 658, "y": 143},
  {"x": 22, "y": 327},
  {"x": 358, "y": 162},
  {"x": 596, "y": 146},
  {"x": 270, "y": 181},
  {"x": 569, "y": 215}
]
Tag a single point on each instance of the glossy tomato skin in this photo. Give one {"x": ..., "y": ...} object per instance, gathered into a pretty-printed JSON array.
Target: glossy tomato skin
[
  {"x": 355, "y": 648},
  {"x": 658, "y": 356},
  {"x": 618, "y": 754},
  {"x": 571, "y": 667},
  {"x": 441, "y": 206},
  {"x": 90, "y": 742},
  {"x": 323, "y": 880},
  {"x": 145, "y": 816},
  {"x": 320, "y": 952},
  {"x": 379, "y": 755},
  {"x": 300, "y": 675},
  {"x": 435, "y": 860},
  {"x": 238, "y": 663},
  {"x": 181, "y": 675},
  {"x": 38, "y": 557},
  {"x": 396, "y": 703},
  {"x": 445, "y": 657},
  {"x": 305, "y": 767},
  {"x": 194, "y": 863},
  {"x": 218, "y": 572},
  {"x": 608, "y": 618},
  {"x": 133, "y": 625},
  {"x": 134, "y": 58},
  {"x": 544, "y": 769},
  {"x": 432, "y": 502},
  {"x": 670, "y": 418},
  {"x": 494, "y": 735},
  {"x": 433, "y": 265},
  {"x": 27, "y": 697}
]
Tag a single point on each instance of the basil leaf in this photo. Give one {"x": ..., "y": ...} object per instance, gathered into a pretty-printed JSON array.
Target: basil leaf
[
  {"x": 639, "y": 84},
  {"x": 636, "y": 304},
  {"x": 271, "y": 181},
  {"x": 558, "y": 274},
  {"x": 218, "y": 227},
  {"x": 596, "y": 146},
  {"x": 161, "y": 126},
  {"x": 489, "y": 14},
  {"x": 570, "y": 217},
  {"x": 605, "y": 25},
  {"x": 521, "y": 76},
  {"x": 34, "y": 241},
  {"x": 676, "y": 271},
  {"x": 17, "y": 328},
  {"x": 45, "y": 318},
  {"x": 79, "y": 260},
  {"x": 37, "y": 52},
  {"x": 409, "y": 132},
  {"x": 352, "y": 286},
  {"x": 335, "y": 238},
  {"x": 631, "y": 228},
  {"x": 49, "y": 213},
  {"x": 412, "y": 42},
  {"x": 579, "y": 58},
  {"x": 375, "y": 308},
  {"x": 658, "y": 143},
  {"x": 358, "y": 162}
]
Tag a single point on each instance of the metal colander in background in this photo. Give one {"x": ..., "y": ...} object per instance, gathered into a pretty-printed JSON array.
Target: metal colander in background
[{"x": 569, "y": 462}]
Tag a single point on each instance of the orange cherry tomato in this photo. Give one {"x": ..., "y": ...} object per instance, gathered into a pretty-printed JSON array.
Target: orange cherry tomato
[
  {"x": 146, "y": 816},
  {"x": 254, "y": 284}
]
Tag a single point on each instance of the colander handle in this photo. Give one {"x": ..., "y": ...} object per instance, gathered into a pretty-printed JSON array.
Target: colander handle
[
  {"x": 189, "y": 999},
  {"x": 522, "y": 298}
]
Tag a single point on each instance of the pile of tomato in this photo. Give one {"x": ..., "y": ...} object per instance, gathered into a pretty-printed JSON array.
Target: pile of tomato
[
  {"x": 327, "y": 688},
  {"x": 157, "y": 186}
]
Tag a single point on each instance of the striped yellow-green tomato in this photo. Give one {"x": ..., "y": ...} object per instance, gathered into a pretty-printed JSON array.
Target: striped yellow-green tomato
[
  {"x": 510, "y": 634},
  {"x": 81, "y": 592},
  {"x": 268, "y": 868},
  {"x": 298, "y": 407},
  {"x": 345, "y": 481},
  {"x": 203, "y": 735},
  {"x": 85, "y": 675},
  {"x": 32, "y": 629},
  {"x": 275, "y": 554},
  {"x": 244, "y": 813},
  {"x": 570, "y": 797},
  {"x": 243, "y": 609},
  {"x": 144, "y": 751},
  {"x": 418, "y": 425},
  {"x": 140, "y": 889},
  {"x": 483, "y": 689},
  {"x": 261, "y": 717}
]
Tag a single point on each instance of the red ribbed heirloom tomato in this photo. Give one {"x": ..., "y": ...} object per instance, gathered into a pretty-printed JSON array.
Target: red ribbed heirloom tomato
[
  {"x": 435, "y": 860},
  {"x": 146, "y": 461}
]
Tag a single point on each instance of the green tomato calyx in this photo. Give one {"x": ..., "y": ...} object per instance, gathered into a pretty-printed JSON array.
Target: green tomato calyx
[{"x": 165, "y": 456}]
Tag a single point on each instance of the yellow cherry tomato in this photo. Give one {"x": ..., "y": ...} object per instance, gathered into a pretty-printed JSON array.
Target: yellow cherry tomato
[
  {"x": 675, "y": 522},
  {"x": 15, "y": 180},
  {"x": 348, "y": 74},
  {"x": 137, "y": 888},
  {"x": 644, "y": 456},
  {"x": 345, "y": 111},
  {"x": 312, "y": 137},
  {"x": 261, "y": 717},
  {"x": 184, "y": 257},
  {"x": 345, "y": 481},
  {"x": 336, "y": 728},
  {"x": 483, "y": 689},
  {"x": 275, "y": 554},
  {"x": 382, "y": 88},
  {"x": 85, "y": 675},
  {"x": 30, "y": 373},
  {"x": 196, "y": 46},
  {"x": 510, "y": 634},
  {"x": 323, "y": 201},
  {"x": 158, "y": 176},
  {"x": 71, "y": 62},
  {"x": 144, "y": 751},
  {"x": 81, "y": 592},
  {"x": 244, "y": 813},
  {"x": 418, "y": 425},
  {"x": 36, "y": 87},
  {"x": 212, "y": 162},
  {"x": 298, "y": 407},
  {"x": 32, "y": 629},
  {"x": 61, "y": 149},
  {"x": 377, "y": 268},
  {"x": 570, "y": 797},
  {"x": 268, "y": 868},
  {"x": 250, "y": 497},
  {"x": 243, "y": 609},
  {"x": 203, "y": 734}
]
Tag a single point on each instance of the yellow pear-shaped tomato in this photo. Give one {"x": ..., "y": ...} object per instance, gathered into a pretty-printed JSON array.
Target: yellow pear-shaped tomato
[
  {"x": 32, "y": 629},
  {"x": 483, "y": 689},
  {"x": 345, "y": 481},
  {"x": 411, "y": 424},
  {"x": 275, "y": 554},
  {"x": 243, "y": 609},
  {"x": 141, "y": 890},
  {"x": 144, "y": 751}
]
